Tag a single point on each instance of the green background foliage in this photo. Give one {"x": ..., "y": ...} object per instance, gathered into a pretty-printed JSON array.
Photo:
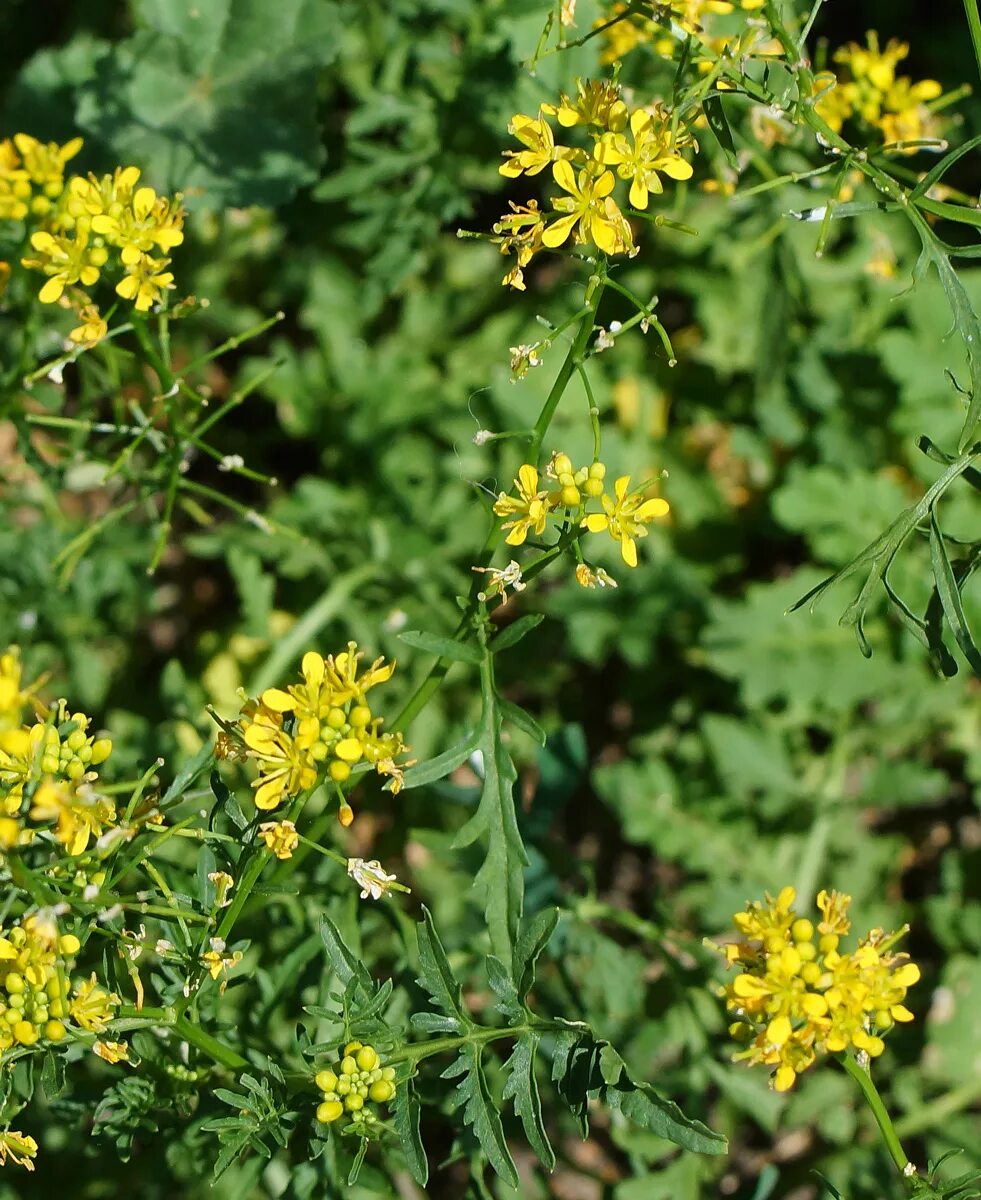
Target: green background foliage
[{"x": 702, "y": 745}]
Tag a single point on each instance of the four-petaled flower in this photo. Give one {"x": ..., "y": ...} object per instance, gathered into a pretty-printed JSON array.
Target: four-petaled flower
[
  {"x": 529, "y": 508},
  {"x": 587, "y": 206},
  {"x": 650, "y": 151},
  {"x": 535, "y": 134},
  {"x": 626, "y": 517}
]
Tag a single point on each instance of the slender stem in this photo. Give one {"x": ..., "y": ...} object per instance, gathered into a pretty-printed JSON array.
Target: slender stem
[
  {"x": 131, "y": 1018},
  {"x": 974, "y": 24},
  {"x": 939, "y": 1110},
  {"x": 882, "y": 1118}
]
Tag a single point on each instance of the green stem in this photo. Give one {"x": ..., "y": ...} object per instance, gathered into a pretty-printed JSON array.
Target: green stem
[
  {"x": 974, "y": 24},
  {"x": 939, "y": 1110},
  {"x": 882, "y": 1119},
  {"x": 134, "y": 1018},
  {"x": 438, "y": 671},
  {"x": 476, "y": 1037}
]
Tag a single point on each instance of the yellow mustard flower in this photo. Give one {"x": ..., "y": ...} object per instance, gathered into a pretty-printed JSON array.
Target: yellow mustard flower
[
  {"x": 66, "y": 261},
  {"x": 597, "y": 104},
  {"x": 648, "y": 151},
  {"x": 45, "y": 162},
  {"x": 219, "y": 963},
  {"x": 79, "y": 812},
  {"x": 529, "y": 508},
  {"x": 585, "y": 210},
  {"x": 520, "y": 233},
  {"x": 145, "y": 281},
  {"x": 91, "y": 1005},
  {"x": 111, "y": 1052},
  {"x": 147, "y": 222},
  {"x": 797, "y": 995},
  {"x": 280, "y": 837},
  {"x": 93, "y": 327},
  {"x": 19, "y": 1148},
  {"x": 284, "y": 770},
  {"x": 535, "y": 134},
  {"x": 626, "y": 517}
]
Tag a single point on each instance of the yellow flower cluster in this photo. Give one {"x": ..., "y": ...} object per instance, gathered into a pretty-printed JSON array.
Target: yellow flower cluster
[
  {"x": 86, "y": 224},
  {"x": 35, "y": 999},
  {"x": 47, "y": 769},
  {"x": 356, "y": 1080},
  {"x": 799, "y": 995},
  {"x": 636, "y": 146},
  {"x": 625, "y": 515},
  {"x": 321, "y": 724},
  {"x": 870, "y": 91},
  {"x": 675, "y": 20}
]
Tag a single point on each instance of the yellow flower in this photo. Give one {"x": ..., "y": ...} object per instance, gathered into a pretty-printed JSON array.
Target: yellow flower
[
  {"x": 65, "y": 261},
  {"x": 45, "y": 163},
  {"x": 111, "y": 1052},
  {"x": 280, "y": 837},
  {"x": 530, "y": 508},
  {"x": 145, "y": 281},
  {"x": 651, "y": 151},
  {"x": 284, "y": 768},
  {"x": 93, "y": 328},
  {"x": 80, "y": 813},
  {"x": 626, "y": 517},
  {"x": 148, "y": 221},
  {"x": 218, "y": 963},
  {"x": 597, "y": 103},
  {"x": 91, "y": 1005},
  {"x": 18, "y": 1147},
  {"x": 587, "y": 207},
  {"x": 520, "y": 233},
  {"x": 536, "y": 135}
]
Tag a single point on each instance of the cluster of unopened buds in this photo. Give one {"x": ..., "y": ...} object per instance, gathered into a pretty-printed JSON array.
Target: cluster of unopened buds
[
  {"x": 322, "y": 726},
  {"x": 355, "y": 1082},
  {"x": 37, "y": 997},
  {"x": 564, "y": 494},
  {"x": 798, "y": 994},
  {"x": 48, "y": 773}
]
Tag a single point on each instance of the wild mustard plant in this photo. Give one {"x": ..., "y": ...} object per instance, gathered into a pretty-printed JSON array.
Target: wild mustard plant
[{"x": 108, "y": 934}]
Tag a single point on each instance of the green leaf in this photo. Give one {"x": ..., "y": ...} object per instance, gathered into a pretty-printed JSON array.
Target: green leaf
[
  {"x": 440, "y": 766},
  {"x": 522, "y": 1088},
  {"x": 640, "y": 1103},
  {"x": 407, "y": 1113},
  {"x": 500, "y": 880},
  {"x": 479, "y": 1111},
  {"x": 218, "y": 100},
  {"x": 513, "y": 633},
  {"x": 950, "y": 596},
  {"x": 523, "y": 720},
  {"x": 436, "y": 975},
  {"x": 355, "y": 1171},
  {"x": 188, "y": 773},
  {"x": 717, "y": 122},
  {"x": 444, "y": 647},
  {"x": 533, "y": 940}
]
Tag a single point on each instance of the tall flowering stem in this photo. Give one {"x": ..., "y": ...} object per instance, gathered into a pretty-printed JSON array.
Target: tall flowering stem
[{"x": 863, "y": 1078}]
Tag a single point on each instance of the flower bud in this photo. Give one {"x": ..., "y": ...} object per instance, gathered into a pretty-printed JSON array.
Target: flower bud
[
  {"x": 367, "y": 1058},
  {"x": 382, "y": 1091},
  {"x": 329, "y": 1111},
  {"x": 326, "y": 1081}
]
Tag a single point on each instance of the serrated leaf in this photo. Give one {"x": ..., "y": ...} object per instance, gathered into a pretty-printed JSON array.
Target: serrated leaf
[
  {"x": 443, "y": 647},
  {"x": 533, "y": 940},
  {"x": 500, "y": 880},
  {"x": 217, "y": 100},
  {"x": 345, "y": 965},
  {"x": 436, "y": 975},
  {"x": 522, "y": 1088},
  {"x": 640, "y": 1103},
  {"x": 440, "y": 766},
  {"x": 406, "y": 1119},
  {"x": 479, "y": 1112},
  {"x": 513, "y": 633},
  {"x": 503, "y": 987}
]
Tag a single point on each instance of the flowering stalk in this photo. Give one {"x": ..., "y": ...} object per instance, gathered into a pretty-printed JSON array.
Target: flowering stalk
[{"x": 863, "y": 1077}]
